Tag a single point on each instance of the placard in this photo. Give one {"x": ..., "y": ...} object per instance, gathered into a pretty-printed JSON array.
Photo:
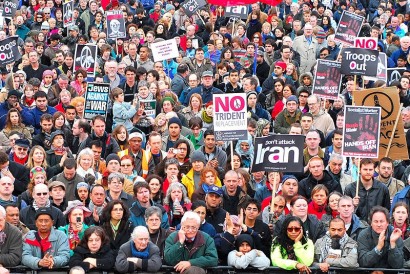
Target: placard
[
  {"x": 327, "y": 79},
  {"x": 230, "y": 119},
  {"x": 361, "y": 132},
  {"x": 115, "y": 24},
  {"x": 96, "y": 100},
  {"x": 85, "y": 57},
  {"x": 279, "y": 153},
  {"x": 389, "y": 102},
  {"x": 348, "y": 28},
  {"x": 164, "y": 50},
  {"x": 9, "y": 51},
  {"x": 359, "y": 62}
]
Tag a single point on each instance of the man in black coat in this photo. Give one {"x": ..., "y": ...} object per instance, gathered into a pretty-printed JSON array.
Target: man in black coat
[{"x": 18, "y": 173}]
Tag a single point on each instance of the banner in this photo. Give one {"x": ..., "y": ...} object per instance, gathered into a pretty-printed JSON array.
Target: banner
[
  {"x": 10, "y": 8},
  {"x": 237, "y": 12},
  {"x": 327, "y": 79},
  {"x": 366, "y": 42},
  {"x": 359, "y": 61},
  {"x": 85, "y": 57},
  {"x": 96, "y": 100},
  {"x": 394, "y": 74},
  {"x": 361, "y": 132},
  {"x": 9, "y": 51},
  {"x": 389, "y": 102},
  {"x": 115, "y": 24},
  {"x": 349, "y": 27},
  {"x": 230, "y": 118},
  {"x": 381, "y": 69},
  {"x": 68, "y": 8},
  {"x": 150, "y": 107},
  {"x": 279, "y": 152},
  {"x": 164, "y": 50},
  {"x": 191, "y": 6}
]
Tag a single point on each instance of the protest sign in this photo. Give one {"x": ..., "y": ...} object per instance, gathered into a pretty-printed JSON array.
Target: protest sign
[
  {"x": 349, "y": 27},
  {"x": 359, "y": 61},
  {"x": 279, "y": 152},
  {"x": 149, "y": 107},
  {"x": 115, "y": 24},
  {"x": 361, "y": 132},
  {"x": 230, "y": 119},
  {"x": 327, "y": 79},
  {"x": 9, "y": 8},
  {"x": 85, "y": 57},
  {"x": 237, "y": 12},
  {"x": 96, "y": 100},
  {"x": 164, "y": 50},
  {"x": 366, "y": 42},
  {"x": 389, "y": 102},
  {"x": 381, "y": 69},
  {"x": 68, "y": 8},
  {"x": 394, "y": 74},
  {"x": 9, "y": 51},
  {"x": 191, "y": 6}
]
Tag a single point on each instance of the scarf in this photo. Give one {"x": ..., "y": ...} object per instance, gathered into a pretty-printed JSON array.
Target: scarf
[
  {"x": 139, "y": 254},
  {"x": 73, "y": 238},
  {"x": 324, "y": 249},
  {"x": 36, "y": 207},
  {"x": 207, "y": 119}
]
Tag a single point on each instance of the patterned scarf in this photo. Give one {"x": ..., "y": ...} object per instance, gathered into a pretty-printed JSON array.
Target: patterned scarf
[{"x": 324, "y": 249}]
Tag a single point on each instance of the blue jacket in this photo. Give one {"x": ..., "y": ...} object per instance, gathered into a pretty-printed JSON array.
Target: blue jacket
[
  {"x": 60, "y": 250},
  {"x": 137, "y": 215},
  {"x": 32, "y": 117}
]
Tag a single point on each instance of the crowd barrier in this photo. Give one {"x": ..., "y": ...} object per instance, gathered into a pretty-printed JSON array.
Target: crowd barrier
[{"x": 222, "y": 270}]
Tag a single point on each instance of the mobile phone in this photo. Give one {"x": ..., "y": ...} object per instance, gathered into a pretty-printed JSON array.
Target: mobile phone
[{"x": 78, "y": 219}]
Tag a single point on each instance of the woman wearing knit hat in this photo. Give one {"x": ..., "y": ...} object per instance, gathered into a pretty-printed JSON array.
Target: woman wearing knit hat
[{"x": 246, "y": 255}]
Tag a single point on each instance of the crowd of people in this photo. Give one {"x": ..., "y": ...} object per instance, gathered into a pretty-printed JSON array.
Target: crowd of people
[{"x": 132, "y": 190}]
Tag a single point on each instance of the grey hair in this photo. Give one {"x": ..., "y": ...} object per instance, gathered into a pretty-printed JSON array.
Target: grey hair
[
  {"x": 336, "y": 156},
  {"x": 138, "y": 231},
  {"x": 191, "y": 215},
  {"x": 151, "y": 211},
  {"x": 116, "y": 175}
]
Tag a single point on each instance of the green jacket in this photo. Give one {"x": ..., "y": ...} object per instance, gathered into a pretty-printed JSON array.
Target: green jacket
[
  {"x": 203, "y": 253},
  {"x": 304, "y": 254}
]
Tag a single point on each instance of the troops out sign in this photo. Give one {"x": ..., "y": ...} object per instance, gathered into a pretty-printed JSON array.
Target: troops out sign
[
  {"x": 360, "y": 62},
  {"x": 68, "y": 13},
  {"x": 85, "y": 57},
  {"x": 115, "y": 24},
  {"x": 230, "y": 119},
  {"x": 9, "y": 51},
  {"x": 327, "y": 79},
  {"x": 191, "y": 6},
  {"x": 96, "y": 100},
  {"x": 349, "y": 27},
  {"x": 361, "y": 132},
  {"x": 280, "y": 153},
  {"x": 389, "y": 102}
]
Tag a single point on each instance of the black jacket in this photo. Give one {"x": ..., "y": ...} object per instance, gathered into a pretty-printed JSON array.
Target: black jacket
[
  {"x": 105, "y": 258},
  {"x": 306, "y": 185}
]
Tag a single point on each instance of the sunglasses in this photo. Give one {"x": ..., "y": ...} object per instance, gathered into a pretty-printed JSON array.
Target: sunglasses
[
  {"x": 294, "y": 229},
  {"x": 42, "y": 193}
]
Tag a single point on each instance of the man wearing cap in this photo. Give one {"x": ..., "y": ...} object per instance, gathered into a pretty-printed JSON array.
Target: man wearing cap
[
  {"x": 51, "y": 243},
  {"x": 306, "y": 45},
  {"x": 291, "y": 114},
  {"x": 262, "y": 68},
  {"x": 206, "y": 89},
  {"x": 215, "y": 214},
  {"x": 41, "y": 197},
  {"x": 88, "y": 16},
  {"x": 143, "y": 160},
  {"x": 174, "y": 130},
  {"x": 20, "y": 151}
]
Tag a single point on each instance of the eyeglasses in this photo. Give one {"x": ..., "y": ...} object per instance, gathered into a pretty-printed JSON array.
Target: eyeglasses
[
  {"x": 42, "y": 193},
  {"x": 294, "y": 229},
  {"x": 190, "y": 228}
]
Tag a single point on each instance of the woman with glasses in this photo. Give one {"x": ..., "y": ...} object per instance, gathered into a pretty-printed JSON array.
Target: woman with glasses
[
  {"x": 116, "y": 225},
  {"x": 292, "y": 249}
]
